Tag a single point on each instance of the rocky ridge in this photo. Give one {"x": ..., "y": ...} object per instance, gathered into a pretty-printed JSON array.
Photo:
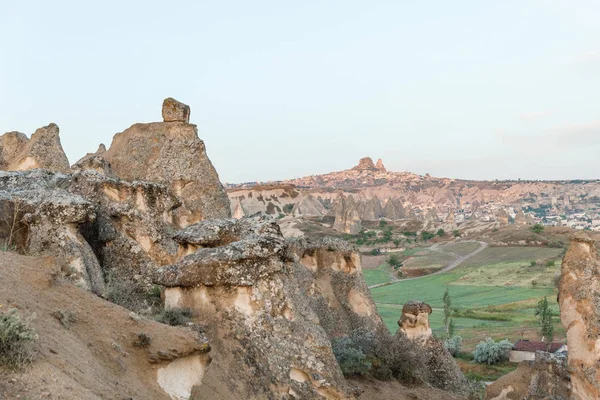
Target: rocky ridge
[{"x": 124, "y": 220}]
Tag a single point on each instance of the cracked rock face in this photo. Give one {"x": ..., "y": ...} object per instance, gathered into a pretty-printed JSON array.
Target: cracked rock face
[
  {"x": 266, "y": 339},
  {"x": 547, "y": 377},
  {"x": 329, "y": 273},
  {"x": 42, "y": 150},
  {"x": 414, "y": 321},
  {"x": 441, "y": 370},
  {"x": 579, "y": 298},
  {"x": 172, "y": 154},
  {"x": 347, "y": 219},
  {"x": 43, "y": 218}
]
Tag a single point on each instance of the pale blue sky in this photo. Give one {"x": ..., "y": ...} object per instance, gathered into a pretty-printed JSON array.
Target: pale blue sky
[{"x": 281, "y": 89}]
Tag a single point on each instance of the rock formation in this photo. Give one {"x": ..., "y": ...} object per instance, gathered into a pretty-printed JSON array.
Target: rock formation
[
  {"x": 439, "y": 368},
  {"x": 379, "y": 165},
  {"x": 370, "y": 210},
  {"x": 329, "y": 274},
  {"x": 547, "y": 377},
  {"x": 365, "y": 164},
  {"x": 174, "y": 111},
  {"x": 44, "y": 219},
  {"x": 393, "y": 209},
  {"x": 347, "y": 219},
  {"x": 522, "y": 219},
  {"x": 172, "y": 154},
  {"x": 414, "y": 321},
  {"x": 308, "y": 206},
  {"x": 43, "y": 150},
  {"x": 502, "y": 216},
  {"x": 579, "y": 298},
  {"x": 265, "y": 337}
]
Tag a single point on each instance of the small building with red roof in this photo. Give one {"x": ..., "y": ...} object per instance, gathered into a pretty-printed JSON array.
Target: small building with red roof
[{"x": 524, "y": 350}]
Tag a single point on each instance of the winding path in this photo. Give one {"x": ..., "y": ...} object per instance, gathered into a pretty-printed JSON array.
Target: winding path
[{"x": 459, "y": 260}]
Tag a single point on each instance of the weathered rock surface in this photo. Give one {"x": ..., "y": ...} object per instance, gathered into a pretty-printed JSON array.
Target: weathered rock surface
[
  {"x": 329, "y": 274},
  {"x": 547, "y": 377},
  {"x": 42, "y": 150},
  {"x": 172, "y": 154},
  {"x": 43, "y": 218},
  {"x": 414, "y": 321},
  {"x": 393, "y": 210},
  {"x": 370, "y": 210},
  {"x": 438, "y": 366},
  {"x": 96, "y": 224},
  {"x": 265, "y": 337},
  {"x": 308, "y": 206},
  {"x": 175, "y": 111},
  {"x": 365, "y": 164},
  {"x": 579, "y": 298},
  {"x": 347, "y": 219}
]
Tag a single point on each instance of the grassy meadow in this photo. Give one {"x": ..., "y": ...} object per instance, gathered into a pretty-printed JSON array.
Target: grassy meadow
[{"x": 494, "y": 293}]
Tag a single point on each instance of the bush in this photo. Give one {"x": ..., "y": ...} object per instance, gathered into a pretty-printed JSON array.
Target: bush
[
  {"x": 405, "y": 359},
  {"x": 16, "y": 340},
  {"x": 352, "y": 361},
  {"x": 375, "y": 252},
  {"x": 133, "y": 295},
  {"x": 456, "y": 233},
  {"x": 426, "y": 235},
  {"x": 491, "y": 352},
  {"x": 454, "y": 344},
  {"x": 176, "y": 316},
  {"x": 551, "y": 263},
  {"x": 537, "y": 228},
  {"x": 532, "y": 263},
  {"x": 142, "y": 340},
  {"x": 440, "y": 232}
]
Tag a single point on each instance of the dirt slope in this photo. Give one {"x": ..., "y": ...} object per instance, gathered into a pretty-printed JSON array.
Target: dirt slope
[{"x": 95, "y": 358}]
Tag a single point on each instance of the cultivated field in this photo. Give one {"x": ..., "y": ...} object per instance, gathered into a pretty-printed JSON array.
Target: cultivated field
[{"x": 494, "y": 292}]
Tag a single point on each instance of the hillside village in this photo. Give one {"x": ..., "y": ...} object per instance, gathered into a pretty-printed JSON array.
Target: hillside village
[{"x": 575, "y": 204}]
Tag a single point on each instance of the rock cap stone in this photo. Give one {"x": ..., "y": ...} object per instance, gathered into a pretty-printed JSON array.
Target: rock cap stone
[{"x": 175, "y": 111}]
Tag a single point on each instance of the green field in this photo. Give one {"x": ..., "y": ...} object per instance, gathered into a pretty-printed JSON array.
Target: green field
[
  {"x": 379, "y": 275},
  {"x": 494, "y": 293}
]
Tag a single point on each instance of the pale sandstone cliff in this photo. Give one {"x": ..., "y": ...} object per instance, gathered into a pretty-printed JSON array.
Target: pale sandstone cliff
[{"x": 579, "y": 299}]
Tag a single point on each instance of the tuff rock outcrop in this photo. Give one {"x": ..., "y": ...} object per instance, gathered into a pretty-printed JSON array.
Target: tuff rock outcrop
[
  {"x": 414, "y": 321},
  {"x": 329, "y": 273},
  {"x": 308, "y": 206},
  {"x": 175, "y": 111},
  {"x": 41, "y": 217},
  {"x": 393, "y": 209},
  {"x": 438, "y": 366},
  {"x": 347, "y": 219},
  {"x": 266, "y": 340},
  {"x": 172, "y": 154},
  {"x": 547, "y": 377},
  {"x": 42, "y": 150},
  {"x": 370, "y": 210},
  {"x": 579, "y": 298}
]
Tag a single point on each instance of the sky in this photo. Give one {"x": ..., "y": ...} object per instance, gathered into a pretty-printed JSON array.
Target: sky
[{"x": 281, "y": 89}]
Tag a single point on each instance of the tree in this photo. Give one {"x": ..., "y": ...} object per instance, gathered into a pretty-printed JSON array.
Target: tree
[
  {"x": 440, "y": 232},
  {"x": 426, "y": 235},
  {"x": 537, "y": 228},
  {"x": 456, "y": 233},
  {"x": 394, "y": 261},
  {"x": 490, "y": 352},
  {"x": 448, "y": 323},
  {"x": 544, "y": 314},
  {"x": 396, "y": 242}
]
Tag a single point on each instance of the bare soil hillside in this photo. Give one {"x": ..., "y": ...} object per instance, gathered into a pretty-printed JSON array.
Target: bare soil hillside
[{"x": 95, "y": 356}]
